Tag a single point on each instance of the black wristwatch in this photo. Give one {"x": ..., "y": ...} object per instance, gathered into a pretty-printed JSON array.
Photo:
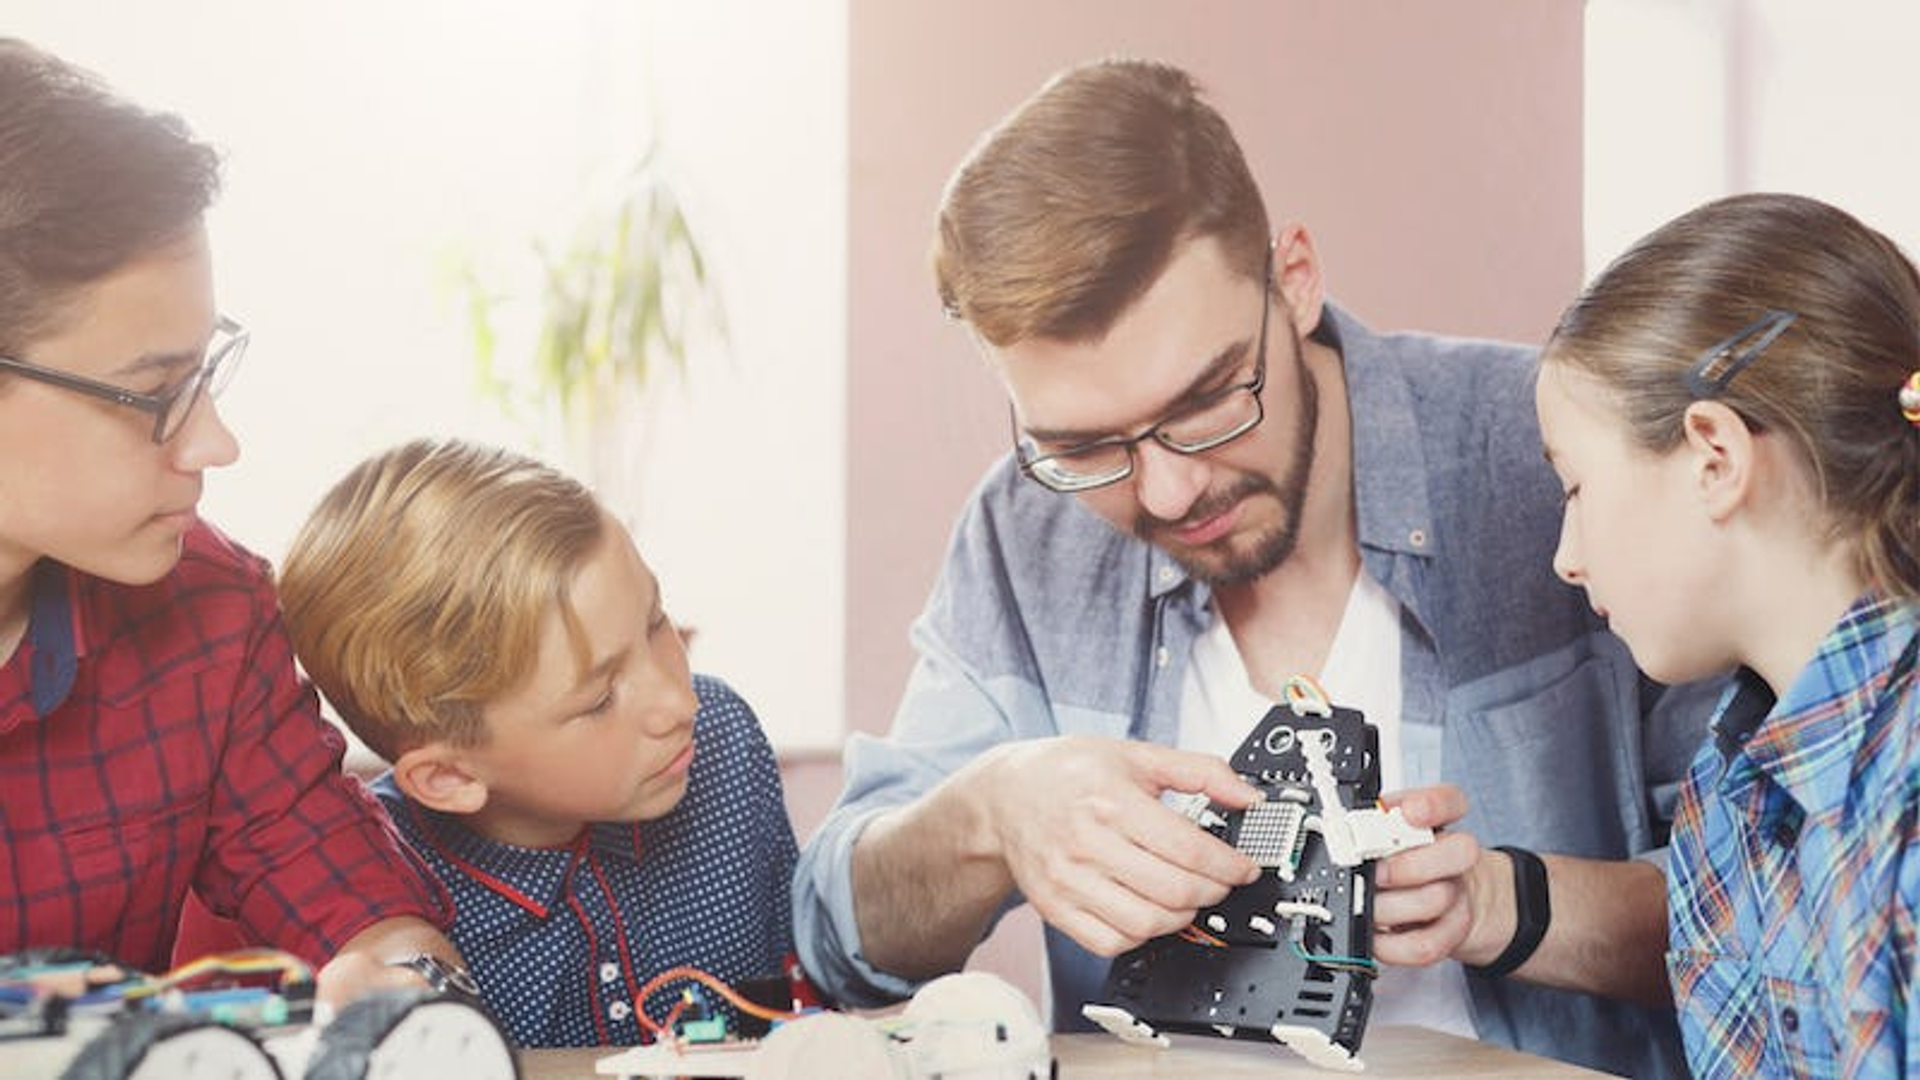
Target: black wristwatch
[
  {"x": 1532, "y": 912},
  {"x": 442, "y": 976}
]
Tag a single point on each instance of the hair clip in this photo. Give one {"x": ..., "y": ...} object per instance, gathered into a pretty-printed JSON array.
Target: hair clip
[
  {"x": 1910, "y": 399},
  {"x": 1716, "y": 367}
]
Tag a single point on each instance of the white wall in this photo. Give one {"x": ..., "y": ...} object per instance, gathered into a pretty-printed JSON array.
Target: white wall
[
  {"x": 1692, "y": 99},
  {"x": 371, "y": 146}
]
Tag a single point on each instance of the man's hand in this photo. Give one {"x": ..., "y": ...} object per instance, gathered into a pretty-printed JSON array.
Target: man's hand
[
  {"x": 1455, "y": 899},
  {"x": 1428, "y": 901},
  {"x": 1084, "y": 833},
  {"x": 1075, "y": 823}
]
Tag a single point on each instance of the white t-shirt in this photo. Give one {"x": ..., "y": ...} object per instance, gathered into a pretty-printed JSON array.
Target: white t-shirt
[{"x": 1219, "y": 706}]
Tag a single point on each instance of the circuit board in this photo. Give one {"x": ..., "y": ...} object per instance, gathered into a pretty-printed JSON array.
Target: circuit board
[
  {"x": 241, "y": 1015},
  {"x": 1288, "y": 956}
]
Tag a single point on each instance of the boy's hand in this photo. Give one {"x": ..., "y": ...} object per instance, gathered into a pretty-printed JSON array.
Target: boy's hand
[{"x": 368, "y": 962}]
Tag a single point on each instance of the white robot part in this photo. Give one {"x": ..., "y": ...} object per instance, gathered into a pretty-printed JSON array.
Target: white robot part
[
  {"x": 1353, "y": 836},
  {"x": 975, "y": 1025},
  {"x": 151, "y": 1047},
  {"x": 1289, "y": 909},
  {"x": 1313, "y": 1044},
  {"x": 1122, "y": 1025},
  {"x": 966, "y": 1026}
]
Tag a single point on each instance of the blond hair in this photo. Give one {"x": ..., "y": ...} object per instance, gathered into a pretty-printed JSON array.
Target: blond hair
[
  {"x": 1829, "y": 382},
  {"x": 1071, "y": 208},
  {"x": 419, "y": 587}
]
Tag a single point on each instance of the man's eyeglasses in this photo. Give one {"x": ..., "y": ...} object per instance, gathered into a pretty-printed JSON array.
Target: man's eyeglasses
[
  {"x": 1213, "y": 421},
  {"x": 170, "y": 408}
]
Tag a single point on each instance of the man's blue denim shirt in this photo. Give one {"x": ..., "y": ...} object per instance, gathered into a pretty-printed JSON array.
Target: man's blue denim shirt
[{"x": 1047, "y": 621}]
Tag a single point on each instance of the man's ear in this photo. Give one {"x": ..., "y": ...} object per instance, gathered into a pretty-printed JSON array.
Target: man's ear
[
  {"x": 1722, "y": 453},
  {"x": 437, "y": 776},
  {"x": 1296, "y": 273}
]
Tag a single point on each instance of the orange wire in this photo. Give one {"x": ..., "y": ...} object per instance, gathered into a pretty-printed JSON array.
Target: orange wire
[
  {"x": 239, "y": 962},
  {"x": 1200, "y": 937},
  {"x": 694, "y": 974},
  {"x": 1305, "y": 692},
  {"x": 674, "y": 1013}
]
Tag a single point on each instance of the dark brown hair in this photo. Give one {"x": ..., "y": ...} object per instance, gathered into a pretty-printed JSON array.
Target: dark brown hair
[
  {"x": 88, "y": 182},
  {"x": 1071, "y": 207},
  {"x": 1830, "y": 382}
]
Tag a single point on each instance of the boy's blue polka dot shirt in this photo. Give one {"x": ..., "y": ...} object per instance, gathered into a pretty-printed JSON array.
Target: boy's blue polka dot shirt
[{"x": 563, "y": 939}]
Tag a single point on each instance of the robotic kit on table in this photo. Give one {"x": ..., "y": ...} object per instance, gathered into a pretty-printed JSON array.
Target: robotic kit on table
[
  {"x": 244, "y": 1015},
  {"x": 1287, "y": 957}
]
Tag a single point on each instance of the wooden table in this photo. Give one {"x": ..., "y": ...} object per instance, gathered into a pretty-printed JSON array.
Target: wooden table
[{"x": 1389, "y": 1051}]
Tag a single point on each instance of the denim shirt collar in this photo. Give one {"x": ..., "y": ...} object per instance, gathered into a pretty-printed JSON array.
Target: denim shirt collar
[
  {"x": 1389, "y": 459},
  {"x": 1389, "y": 467}
]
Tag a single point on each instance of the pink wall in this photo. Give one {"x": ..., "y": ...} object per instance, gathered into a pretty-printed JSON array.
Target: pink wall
[{"x": 1433, "y": 150}]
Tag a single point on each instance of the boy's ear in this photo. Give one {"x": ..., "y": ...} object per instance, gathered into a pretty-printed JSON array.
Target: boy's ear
[
  {"x": 436, "y": 776},
  {"x": 1722, "y": 448}
]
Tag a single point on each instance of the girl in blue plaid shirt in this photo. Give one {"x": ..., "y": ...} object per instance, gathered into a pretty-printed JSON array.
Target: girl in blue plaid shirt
[{"x": 1733, "y": 409}]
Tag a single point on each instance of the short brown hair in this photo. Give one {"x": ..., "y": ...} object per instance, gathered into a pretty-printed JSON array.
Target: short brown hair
[
  {"x": 1829, "y": 382},
  {"x": 88, "y": 182},
  {"x": 418, "y": 589},
  {"x": 1071, "y": 207}
]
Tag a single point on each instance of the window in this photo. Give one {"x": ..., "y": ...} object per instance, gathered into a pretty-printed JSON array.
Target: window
[
  {"x": 1688, "y": 100},
  {"x": 374, "y": 147}
]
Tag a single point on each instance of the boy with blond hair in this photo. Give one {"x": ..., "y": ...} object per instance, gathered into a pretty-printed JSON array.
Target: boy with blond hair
[{"x": 599, "y": 814}]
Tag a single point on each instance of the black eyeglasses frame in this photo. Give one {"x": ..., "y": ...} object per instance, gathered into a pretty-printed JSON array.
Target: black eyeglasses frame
[
  {"x": 1254, "y": 386},
  {"x": 229, "y": 344}
]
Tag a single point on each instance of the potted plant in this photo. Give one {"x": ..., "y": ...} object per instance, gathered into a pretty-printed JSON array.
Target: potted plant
[{"x": 620, "y": 303}]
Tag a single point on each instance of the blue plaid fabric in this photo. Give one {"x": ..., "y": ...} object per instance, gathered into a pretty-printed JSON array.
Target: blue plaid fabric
[{"x": 1791, "y": 890}]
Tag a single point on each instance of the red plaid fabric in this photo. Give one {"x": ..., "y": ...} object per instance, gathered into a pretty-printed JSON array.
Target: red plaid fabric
[{"x": 157, "y": 740}]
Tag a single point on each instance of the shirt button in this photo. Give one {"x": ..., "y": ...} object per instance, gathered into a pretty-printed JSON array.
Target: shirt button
[
  {"x": 1418, "y": 538},
  {"x": 1166, "y": 574},
  {"x": 619, "y": 1011},
  {"x": 1790, "y": 1019},
  {"x": 1161, "y": 656},
  {"x": 609, "y": 972}
]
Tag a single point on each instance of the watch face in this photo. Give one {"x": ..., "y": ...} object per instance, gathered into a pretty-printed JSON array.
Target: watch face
[
  {"x": 461, "y": 980},
  {"x": 455, "y": 978},
  {"x": 442, "y": 976}
]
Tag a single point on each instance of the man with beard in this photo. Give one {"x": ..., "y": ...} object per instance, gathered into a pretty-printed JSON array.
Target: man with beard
[{"x": 1219, "y": 480}]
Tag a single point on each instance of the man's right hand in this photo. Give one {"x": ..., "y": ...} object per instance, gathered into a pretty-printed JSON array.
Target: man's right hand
[
  {"x": 1081, "y": 827},
  {"x": 1091, "y": 844},
  {"x": 1076, "y": 823}
]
